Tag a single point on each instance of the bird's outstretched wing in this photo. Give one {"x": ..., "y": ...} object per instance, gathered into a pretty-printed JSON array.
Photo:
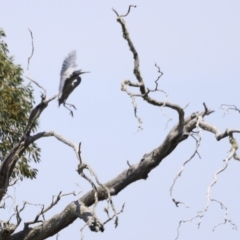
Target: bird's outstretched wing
[{"x": 69, "y": 64}]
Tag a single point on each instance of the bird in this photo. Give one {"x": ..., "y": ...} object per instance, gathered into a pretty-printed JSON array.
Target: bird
[{"x": 69, "y": 80}]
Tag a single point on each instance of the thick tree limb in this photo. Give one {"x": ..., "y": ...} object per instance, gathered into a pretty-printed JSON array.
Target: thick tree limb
[
  {"x": 49, "y": 228},
  {"x": 134, "y": 173},
  {"x": 128, "y": 176},
  {"x": 8, "y": 164},
  {"x": 210, "y": 128}
]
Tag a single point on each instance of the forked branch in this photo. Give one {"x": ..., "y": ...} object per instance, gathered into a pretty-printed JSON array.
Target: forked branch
[{"x": 136, "y": 71}]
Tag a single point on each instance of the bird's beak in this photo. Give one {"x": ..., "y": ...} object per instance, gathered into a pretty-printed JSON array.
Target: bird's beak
[{"x": 85, "y": 72}]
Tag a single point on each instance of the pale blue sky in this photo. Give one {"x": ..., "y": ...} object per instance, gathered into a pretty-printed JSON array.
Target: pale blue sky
[{"x": 197, "y": 46}]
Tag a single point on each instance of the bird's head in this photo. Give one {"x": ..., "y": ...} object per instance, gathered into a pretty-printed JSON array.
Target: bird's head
[
  {"x": 82, "y": 72},
  {"x": 79, "y": 72}
]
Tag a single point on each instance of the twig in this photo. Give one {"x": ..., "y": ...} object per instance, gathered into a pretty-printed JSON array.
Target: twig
[
  {"x": 13, "y": 182},
  {"x": 110, "y": 218},
  {"x": 44, "y": 210},
  {"x": 81, "y": 230},
  {"x": 182, "y": 168},
  {"x": 28, "y": 65},
  {"x": 81, "y": 167},
  {"x": 225, "y": 216},
  {"x": 209, "y": 198},
  {"x": 132, "y": 96},
  {"x": 129, "y": 8},
  {"x": 58, "y": 137},
  {"x": 200, "y": 214},
  {"x": 29, "y": 58},
  {"x": 19, "y": 219},
  {"x": 160, "y": 75},
  {"x": 129, "y": 164},
  {"x": 94, "y": 189},
  {"x": 180, "y": 223},
  {"x": 109, "y": 199},
  {"x": 228, "y": 107},
  {"x": 186, "y": 105},
  {"x": 135, "y": 113},
  {"x": 3, "y": 205}
]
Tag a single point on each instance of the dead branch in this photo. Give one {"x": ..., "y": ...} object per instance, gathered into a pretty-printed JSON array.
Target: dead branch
[
  {"x": 183, "y": 221},
  {"x": 159, "y": 90},
  {"x": 159, "y": 76},
  {"x": 227, "y": 107},
  {"x": 136, "y": 71},
  {"x": 129, "y": 8},
  {"x": 110, "y": 218},
  {"x": 218, "y": 134},
  {"x": 81, "y": 166},
  {"x": 201, "y": 214},
  {"x": 35, "y": 114},
  {"x": 80, "y": 169},
  {"x": 29, "y": 58},
  {"x": 234, "y": 145},
  {"x": 209, "y": 198},
  {"x": 81, "y": 173},
  {"x": 28, "y": 65},
  {"x": 57, "y": 136},
  {"x": 44, "y": 210},
  {"x": 226, "y": 220},
  {"x": 109, "y": 198},
  {"x": 3, "y": 205},
  {"x": 8, "y": 228},
  {"x": 137, "y": 172},
  {"x": 13, "y": 182},
  {"x": 187, "y": 161},
  {"x": 130, "y": 175},
  {"x": 19, "y": 219},
  {"x": 132, "y": 96}
]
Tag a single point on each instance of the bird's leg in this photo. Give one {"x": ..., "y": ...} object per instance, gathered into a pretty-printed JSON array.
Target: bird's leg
[
  {"x": 71, "y": 112},
  {"x": 71, "y": 105}
]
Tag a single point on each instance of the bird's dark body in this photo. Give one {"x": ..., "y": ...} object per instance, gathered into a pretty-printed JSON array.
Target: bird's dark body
[
  {"x": 70, "y": 79},
  {"x": 70, "y": 84}
]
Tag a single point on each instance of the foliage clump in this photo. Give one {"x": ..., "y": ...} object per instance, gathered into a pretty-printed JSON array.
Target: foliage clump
[{"x": 16, "y": 102}]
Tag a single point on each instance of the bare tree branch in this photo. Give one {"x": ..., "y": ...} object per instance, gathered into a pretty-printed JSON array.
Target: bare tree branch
[
  {"x": 226, "y": 220},
  {"x": 29, "y": 58},
  {"x": 44, "y": 210},
  {"x": 227, "y": 107},
  {"x": 133, "y": 173},
  {"x": 73, "y": 211},
  {"x": 180, "y": 223},
  {"x": 210, "y": 128},
  {"x": 187, "y": 161},
  {"x": 129, "y": 8},
  {"x": 28, "y": 65},
  {"x": 57, "y": 136},
  {"x": 201, "y": 214},
  {"x": 141, "y": 85},
  {"x": 110, "y": 218},
  {"x": 209, "y": 198}
]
